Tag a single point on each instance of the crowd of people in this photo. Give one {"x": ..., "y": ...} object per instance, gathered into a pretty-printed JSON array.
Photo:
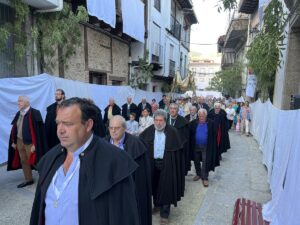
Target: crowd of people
[{"x": 123, "y": 167}]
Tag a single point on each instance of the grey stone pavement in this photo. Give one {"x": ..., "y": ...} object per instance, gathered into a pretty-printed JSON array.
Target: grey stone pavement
[{"x": 241, "y": 174}]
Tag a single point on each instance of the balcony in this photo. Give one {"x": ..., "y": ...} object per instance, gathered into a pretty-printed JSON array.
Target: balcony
[
  {"x": 248, "y": 6},
  {"x": 236, "y": 34},
  {"x": 185, "y": 4},
  {"x": 293, "y": 6},
  {"x": 175, "y": 28},
  {"x": 228, "y": 58},
  {"x": 171, "y": 68},
  {"x": 156, "y": 56}
]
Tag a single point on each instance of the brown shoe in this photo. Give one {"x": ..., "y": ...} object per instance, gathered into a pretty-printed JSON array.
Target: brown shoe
[
  {"x": 205, "y": 183},
  {"x": 155, "y": 210},
  {"x": 164, "y": 221},
  {"x": 196, "y": 178}
]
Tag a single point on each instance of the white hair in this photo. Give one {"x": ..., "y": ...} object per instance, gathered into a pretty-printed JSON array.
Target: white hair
[
  {"x": 202, "y": 110},
  {"x": 161, "y": 112},
  {"x": 120, "y": 119},
  {"x": 217, "y": 105},
  {"x": 24, "y": 98}
]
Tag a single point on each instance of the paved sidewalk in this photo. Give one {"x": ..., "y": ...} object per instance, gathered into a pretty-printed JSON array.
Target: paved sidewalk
[{"x": 241, "y": 174}]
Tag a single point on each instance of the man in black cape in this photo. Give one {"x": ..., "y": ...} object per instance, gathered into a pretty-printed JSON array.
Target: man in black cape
[
  {"x": 180, "y": 123},
  {"x": 138, "y": 152},
  {"x": 210, "y": 158},
  {"x": 165, "y": 152},
  {"x": 100, "y": 189},
  {"x": 111, "y": 110},
  {"x": 219, "y": 118},
  {"x": 129, "y": 107},
  {"x": 50, "y": 124},
  {"x": 162, "y": 103},
  {"x": 27, "y": 142}
]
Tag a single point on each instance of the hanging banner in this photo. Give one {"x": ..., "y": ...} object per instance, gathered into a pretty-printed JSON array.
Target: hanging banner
[{"x": 251, "y": 85}]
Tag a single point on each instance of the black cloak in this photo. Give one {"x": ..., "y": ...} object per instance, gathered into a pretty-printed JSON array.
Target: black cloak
[
  {"x": 106, "y": 188},
  {"x": 183, "y": 129},
  {"x": 116, "y": 110},
  {"x": 170, "y": 180},
  {"x": 132, "y": 109},
  {"x": 98, "y": 128},
  {"x": 138, "y": 152},
  {"x": 50, "y": 126},
  {"x": 140, "y": 109},
  {"x": 38, "y": 137},
  {"x": 221, "y": 125},
  {"x": 212, "y": 157}
]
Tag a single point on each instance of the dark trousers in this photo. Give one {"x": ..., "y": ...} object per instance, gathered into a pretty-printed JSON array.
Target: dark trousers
[
  {"x": 164, "y": 209},
  {"x": 200, "y": 153},
  {"x": 230, "y": 124}
]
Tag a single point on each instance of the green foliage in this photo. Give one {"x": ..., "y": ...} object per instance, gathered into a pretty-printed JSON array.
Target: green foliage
[
  {"x": 16, "y": 29},
  {"x": 266, "y": 49},
  {"x": 229, "y": 80},
  {"x": 224, "y": 5},
  {"x": 58, "y": 31},
  {"x": 53, "y": 31},
  {"x": 142, "y": 73}
]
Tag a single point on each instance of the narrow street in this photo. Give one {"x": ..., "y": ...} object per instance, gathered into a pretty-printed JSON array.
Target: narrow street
[{"x": 241, "y": 174}]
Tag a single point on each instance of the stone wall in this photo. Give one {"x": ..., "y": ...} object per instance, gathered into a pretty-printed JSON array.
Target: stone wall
[
  {"x": 292, "y": 77},
  {"x": 98, "y": 52}
]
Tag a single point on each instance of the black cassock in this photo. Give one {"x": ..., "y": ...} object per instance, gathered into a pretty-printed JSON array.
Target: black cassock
[
  {"x": 137, "y": 150},
  {"x": 169, "y": 189},
  {"x": 50, "y": 126},
  {"x": 98, "y": 128},
  {"x": 106, "y": 192},
  {"x": 221, "y": 126},
  {"x": 182, "y": 126},
  {"x": 212, "y": 156}
]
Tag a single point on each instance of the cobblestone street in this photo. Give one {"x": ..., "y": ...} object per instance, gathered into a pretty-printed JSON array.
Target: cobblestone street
[{"x": 241, "y": 174}]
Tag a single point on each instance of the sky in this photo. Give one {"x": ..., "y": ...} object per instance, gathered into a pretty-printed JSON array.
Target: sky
[{"x": 211, "y": 25}]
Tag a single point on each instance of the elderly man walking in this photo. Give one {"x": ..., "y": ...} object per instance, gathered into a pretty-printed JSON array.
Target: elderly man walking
[
  {"x": 27, "y": 141},
  {"x": 164, "y": 150},
  {"x": 203, "y": 143},
  {"x": 136, "y": 149}
]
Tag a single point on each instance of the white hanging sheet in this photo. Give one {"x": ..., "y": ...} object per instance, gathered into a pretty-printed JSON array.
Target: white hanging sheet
[
  {"x": 104, "y": 10},
  {"x": 133, "y": 19}
]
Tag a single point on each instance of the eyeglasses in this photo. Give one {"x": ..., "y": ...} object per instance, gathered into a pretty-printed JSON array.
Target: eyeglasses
[{"x": 114, "y": 128}]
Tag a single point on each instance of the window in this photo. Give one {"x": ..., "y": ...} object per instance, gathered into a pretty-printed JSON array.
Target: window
[
  {"x": 116, "y": 83},
  {"x": 98, "y": 78},
  {"x": 171, "y": 55},
  {"x": 157, "y": 5}
]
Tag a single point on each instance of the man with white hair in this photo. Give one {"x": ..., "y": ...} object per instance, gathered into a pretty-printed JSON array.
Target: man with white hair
[
  {"x": 129, "y": 107},
  {"x": 193, "y": 114},
  {"x": 164, "y": 150},
  {"x": 136, "y": 149},
  {"x": 27, "y": 142},
  {"x": 203, "y": 144},
  {"x": 111, "y": 110},
  {"x": 219, "y": 117}
]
